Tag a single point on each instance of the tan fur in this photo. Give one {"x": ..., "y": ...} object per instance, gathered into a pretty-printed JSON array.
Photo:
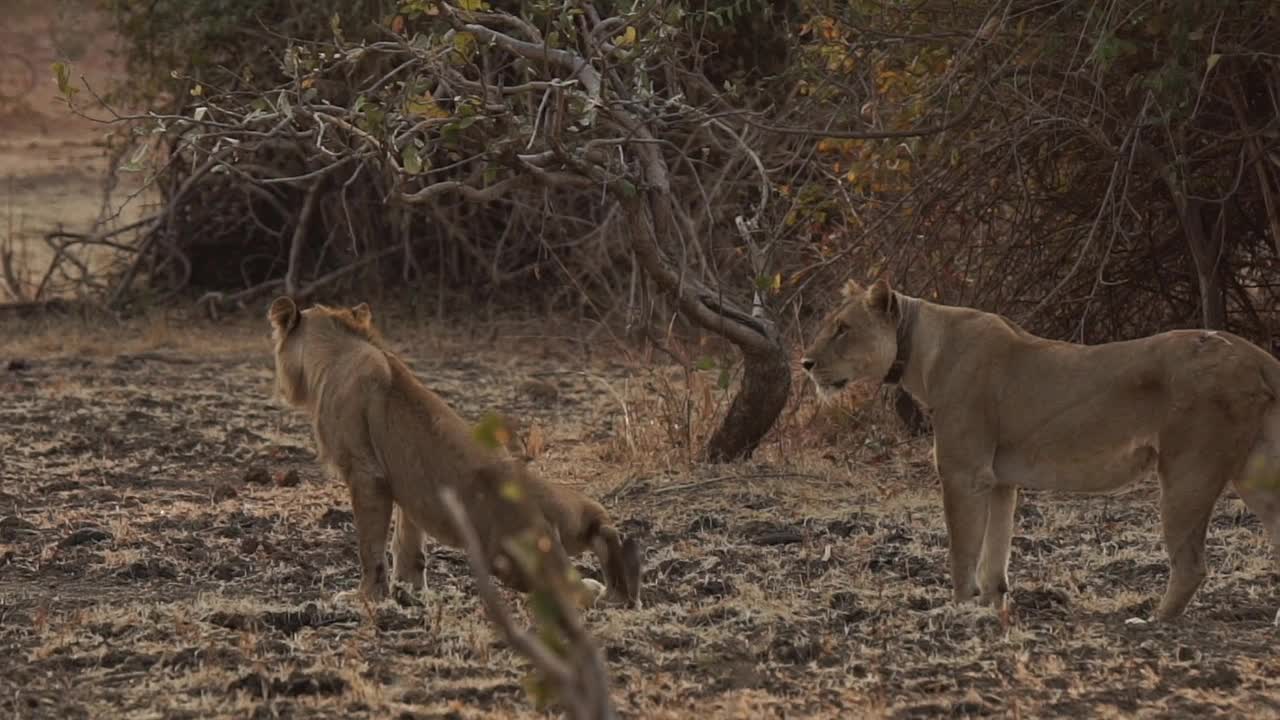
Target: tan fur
[
  {"x": 393, "y": 441},
  {"x": 1012, "y": 410}
]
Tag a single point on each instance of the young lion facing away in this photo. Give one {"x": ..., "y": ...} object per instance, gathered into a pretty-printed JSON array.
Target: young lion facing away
[
  {"x": 393, "y": 441},
  {"x": 1012, "y": 410}
]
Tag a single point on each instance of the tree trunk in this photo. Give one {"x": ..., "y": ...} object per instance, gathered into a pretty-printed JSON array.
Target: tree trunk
[
  {"x": 1206, "y": 256},
  {"x": 766, "y": 379},
  {"x": 766, "y": 383}
]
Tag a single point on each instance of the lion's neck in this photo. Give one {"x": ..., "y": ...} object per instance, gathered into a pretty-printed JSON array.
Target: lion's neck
[
  {"x": 914, "y": 321},
  {"x": 337, "y": 356},
  {"x": 904, "y": 312}
]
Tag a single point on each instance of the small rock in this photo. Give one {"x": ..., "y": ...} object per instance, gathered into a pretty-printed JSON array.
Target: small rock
[
  {"x": 335, "y": 519},
  {"x": 765, "y": 533},
  {"x": 319, "y": 683},
  {"x": 705, "y": 523},
  {"x": 148, "y": 570},
  {"x": 224, "y": 492},
  {"x": 84, "y": 536},
  {"x": 257, "y": 476},
  {"x": 254, "y": 684},
  {"x": 288, "y": 478},
  {"x": 540, "y": 390},
  {"x": 12, "y": 526}
]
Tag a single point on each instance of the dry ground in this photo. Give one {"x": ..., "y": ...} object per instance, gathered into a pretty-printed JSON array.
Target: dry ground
[{"x": 151, "y": 566}]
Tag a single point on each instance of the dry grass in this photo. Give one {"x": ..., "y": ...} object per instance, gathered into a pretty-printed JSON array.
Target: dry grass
[{"x": 141, "y": 576}]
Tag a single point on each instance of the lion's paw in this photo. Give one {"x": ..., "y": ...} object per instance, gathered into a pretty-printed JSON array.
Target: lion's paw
[{"x": 594, "y": 591}]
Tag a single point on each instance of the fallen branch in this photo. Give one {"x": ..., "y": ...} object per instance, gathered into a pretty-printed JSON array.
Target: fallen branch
[
  {"x": 214, "y": 302},
  {"x": 578, "y": 679}
]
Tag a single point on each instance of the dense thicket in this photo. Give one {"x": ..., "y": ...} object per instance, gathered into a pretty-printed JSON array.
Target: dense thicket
[{"x": 1094, "y": 170}]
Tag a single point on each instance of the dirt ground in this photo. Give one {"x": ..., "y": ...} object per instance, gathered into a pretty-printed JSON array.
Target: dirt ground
[
  {"x": 156, "y": 561},
  {"x": 52, "y": 162}
]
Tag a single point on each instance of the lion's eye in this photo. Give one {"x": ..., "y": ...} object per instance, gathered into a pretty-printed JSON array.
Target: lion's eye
[{"x": 841, "y": 329}]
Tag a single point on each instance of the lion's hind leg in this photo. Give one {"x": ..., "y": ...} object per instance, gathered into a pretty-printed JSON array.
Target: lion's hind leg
[
  {"x": 1190, "y": 482},
  {"x": 1259, "y": 487},
  {"x": 409, "y": 561}
]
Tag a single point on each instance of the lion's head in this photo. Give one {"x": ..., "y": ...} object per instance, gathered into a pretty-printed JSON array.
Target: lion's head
[
  {"x": 858, "y": 341},
  {"x": 296, "y": 334}
]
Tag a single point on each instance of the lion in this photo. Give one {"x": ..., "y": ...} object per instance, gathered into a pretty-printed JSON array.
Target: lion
[
  {"x": 394, "y": 442},
  {"x": 1012, "y": 410}
]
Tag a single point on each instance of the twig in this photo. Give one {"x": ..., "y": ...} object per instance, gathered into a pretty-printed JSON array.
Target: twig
[
  {"x": 12, "y": 286},
  {"x": 299, "y": 237},
  {"x": 722, "y": 478}
]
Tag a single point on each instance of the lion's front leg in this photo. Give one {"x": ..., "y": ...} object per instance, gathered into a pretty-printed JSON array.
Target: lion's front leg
[
  {"x": 965, "y": 501},
  {"x": 993, "y": 570}
]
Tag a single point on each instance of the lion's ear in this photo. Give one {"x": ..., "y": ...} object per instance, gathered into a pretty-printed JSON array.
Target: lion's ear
[
  {"x": 852, "y": 289},
  {"x": 880, "y": 296},
  {"x": 362, "y": 314},
  {"x": 283, "y": 314}
]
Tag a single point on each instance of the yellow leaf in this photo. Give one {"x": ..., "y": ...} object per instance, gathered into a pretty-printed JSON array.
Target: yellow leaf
[
  {"x": 511, "y": 491},
  {"x": 491, "y": 431},
  {"x": 197, "y": 91},
  {"x": 425, "y": 106},
  {"x": 465, "y": 44},
  {"x": 627, "y": 38}
]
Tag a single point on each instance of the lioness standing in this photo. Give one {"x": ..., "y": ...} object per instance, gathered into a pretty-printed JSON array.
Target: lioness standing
[
  {"x": 393, "y": 441},
  {"x": 1011, "y": 410}
]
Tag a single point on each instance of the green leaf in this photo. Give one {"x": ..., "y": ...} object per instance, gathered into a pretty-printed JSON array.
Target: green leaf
[
  {"x": 335, "y": 24},
  {"x": 411, "y": 160},
  {"x": 134, "y": 163},
  {"x": 62, "y": 72},
  {"x": 722, "y": 381},
  {"x": 491, "y": 431},
  {"x": 705, "y": 363},
  {"x": 1261, "y": 473},
  {"x": 547, "y": 613},
  {"x": 511, "y": 491},
  {"x": 539, "y": 690},
  {"x": 1212, "y": 60}
]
